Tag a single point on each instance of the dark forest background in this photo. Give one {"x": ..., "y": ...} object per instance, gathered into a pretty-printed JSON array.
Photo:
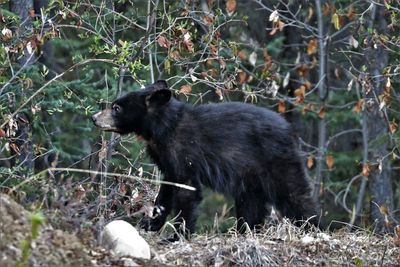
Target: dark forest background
[{"x": 330, "y": 67}]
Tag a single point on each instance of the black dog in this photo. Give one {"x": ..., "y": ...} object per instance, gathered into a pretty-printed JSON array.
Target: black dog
[{"x": 234, "y": 148}]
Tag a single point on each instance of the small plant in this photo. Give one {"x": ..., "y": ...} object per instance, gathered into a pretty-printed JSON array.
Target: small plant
[{"x": 37, "y": 220}]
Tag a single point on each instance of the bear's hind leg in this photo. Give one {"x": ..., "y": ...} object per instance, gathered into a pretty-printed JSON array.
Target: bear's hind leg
[
  {"x": 297, "y": 204},
  {"x": 250, "y": 209}
]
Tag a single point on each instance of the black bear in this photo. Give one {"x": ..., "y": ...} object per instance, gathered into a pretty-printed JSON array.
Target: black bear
[{"x": 247, "y": 152}]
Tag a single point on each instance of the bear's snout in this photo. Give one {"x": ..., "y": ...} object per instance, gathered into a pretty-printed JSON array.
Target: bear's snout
[
  {"x": 94, "y": 118},
  {"x": 104, "y": 120}
]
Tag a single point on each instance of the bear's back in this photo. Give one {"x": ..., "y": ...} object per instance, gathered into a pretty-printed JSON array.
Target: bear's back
[{"x": 238, "y": 125}]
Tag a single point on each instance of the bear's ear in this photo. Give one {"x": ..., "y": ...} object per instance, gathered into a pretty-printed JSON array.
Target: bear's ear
[
  {"x": 159, "y": 97},
  {"x": 160, "y": 84}
]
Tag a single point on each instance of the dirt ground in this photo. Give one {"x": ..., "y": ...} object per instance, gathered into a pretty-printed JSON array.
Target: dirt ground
[{"x": 278, "y": 245}]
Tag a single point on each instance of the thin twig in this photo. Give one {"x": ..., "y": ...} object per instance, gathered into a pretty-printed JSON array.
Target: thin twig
[{"x": 33, "y": 177}]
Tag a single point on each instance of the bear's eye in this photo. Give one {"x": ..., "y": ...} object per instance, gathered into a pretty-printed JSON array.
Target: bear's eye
[{"x": 116, "y": 108}]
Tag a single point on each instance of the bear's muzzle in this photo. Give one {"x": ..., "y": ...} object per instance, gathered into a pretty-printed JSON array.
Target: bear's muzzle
[{"x": 104, "y": 120}]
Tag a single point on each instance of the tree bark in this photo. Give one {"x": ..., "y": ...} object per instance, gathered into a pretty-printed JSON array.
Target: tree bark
[
  {"x": 24, "y": 134},
  {"x": 21, "y": 8},
  {"x": 380, "y": 185},
  {"x": 322, "y": 92}
]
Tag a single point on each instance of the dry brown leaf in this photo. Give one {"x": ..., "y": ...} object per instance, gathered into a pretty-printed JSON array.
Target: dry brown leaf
[
  {"x": 218, "y": 92},
  {"x": 163, "y": 42},
  {"x": 175, "y": 55},
  {"x": 321, "y": 113},
  {"x": 278, "y": 26},
  {"x": 267, "y": 60},
  {"x": 187, "y": 41},
  {"x": 208, "y": 20},
  {"x": 123, "y": 189},
  {"x": 281, "y": 25},
  {"x": 213, "y": 72},
  {"x": 189, "y": 46},
  {"x": 230, "y": 7},
  {"x": 329, "y": 162},
  {"x": 351, "y": 14},
  {"x": 307, "y": 108},
  {"x": 210, "y": 61},
  {"x": 393, "y": 127},
  {"x": 300, "y": 93},
  {"x": 312, "y": 46},
  {"x": 326, "y": 9},
  {"x": 31, "y": 12},
  {"x": 2, "y": 133},
  {"x": 310, "y": 161},
  {"x": 302, "y": 70},
  {"x": 214, "y": 50},
  {"x": 242, "y": 76},
  {"x": 281, "y": 106},
  {"x": 358, "y": 107},
  {"x": 307, "y": 84},
  {"x": 274, "y": 30},
  {"x": 217, "y": 35},
  {"x": 366, "y": 170},
  {"x": 267, "y": 57},
  {"x": 242, "y": 54},
  {"x": 185, "y": 89},
  {"x": 15, "y": 148}
]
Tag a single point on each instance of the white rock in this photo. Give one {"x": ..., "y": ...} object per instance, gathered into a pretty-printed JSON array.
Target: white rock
[
  {"x": 128, "y": 262},
  {"x": 323, "y": 236},
  {"x": 124, "y": 240},
  {"x": 306, "y": 240}
]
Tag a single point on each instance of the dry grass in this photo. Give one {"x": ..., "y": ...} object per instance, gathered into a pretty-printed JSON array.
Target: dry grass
[
  {"x": 277, "y": 245},
  {"x": 280, "y": 245}
]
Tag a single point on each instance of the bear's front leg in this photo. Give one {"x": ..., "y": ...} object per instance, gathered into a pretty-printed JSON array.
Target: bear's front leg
[
  {"x": 162, "y": 208},
  {"x": 186, "y": 204}
]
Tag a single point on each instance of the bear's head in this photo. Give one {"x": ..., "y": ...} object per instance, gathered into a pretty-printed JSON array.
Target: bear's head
[{"x": 128, "y": 114}]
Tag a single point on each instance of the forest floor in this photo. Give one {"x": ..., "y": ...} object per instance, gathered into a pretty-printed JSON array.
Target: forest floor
[
  {"x": 279, "y": 245},
  {"x": 283, "y": 245}
]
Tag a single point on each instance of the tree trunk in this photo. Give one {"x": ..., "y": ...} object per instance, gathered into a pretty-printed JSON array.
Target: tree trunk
[
  {"x": 322, "y": 93},
  {"x": 21, "y": 8},
  {"x": 380, "y": 185},
  {"x": 24, "y": 133}
]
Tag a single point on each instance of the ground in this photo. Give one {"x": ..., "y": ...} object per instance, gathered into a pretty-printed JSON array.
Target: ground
[
  {"x": 278, "y": 245},
  {"x": 283, "y": 245}
]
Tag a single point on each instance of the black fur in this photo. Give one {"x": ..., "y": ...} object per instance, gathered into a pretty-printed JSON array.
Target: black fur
[{"x": 237, "y": 149}]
